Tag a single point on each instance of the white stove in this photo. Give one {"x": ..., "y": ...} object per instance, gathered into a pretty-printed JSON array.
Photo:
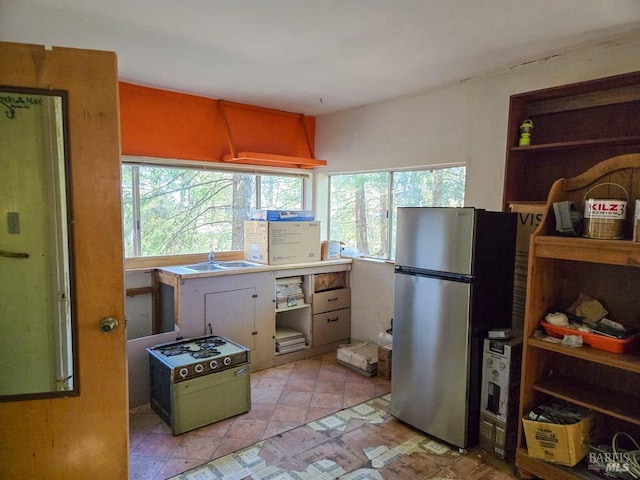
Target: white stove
[
  {"x": 199, "y": 381},
  {"x": 199, "y": 356}
]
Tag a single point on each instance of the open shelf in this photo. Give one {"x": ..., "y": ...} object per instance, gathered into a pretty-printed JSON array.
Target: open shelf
[
  {"x": 575, "y": 127},
  {"x": 542, "y": 468},
  {"x": 624, "y": 361},
  {"x": 306, "y": 347},
  {"x": 577, "y": 144},
  {"x": 295, "y": 307},
  {"x": 256, "y": 158},
  {"x": 604, "y": 401},
  {"x": 611, "y": 252}
]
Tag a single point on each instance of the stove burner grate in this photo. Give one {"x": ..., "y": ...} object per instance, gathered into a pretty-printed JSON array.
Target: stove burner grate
[
  {"x": 205, "y": 353},
  {"x": 173, "y": 351},
  {"x": 210, "y": 345},
  {"x": 202, "y": 348}
]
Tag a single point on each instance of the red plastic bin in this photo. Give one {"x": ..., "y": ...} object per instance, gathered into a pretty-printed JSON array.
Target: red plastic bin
[{"x": 595, "y": 340}]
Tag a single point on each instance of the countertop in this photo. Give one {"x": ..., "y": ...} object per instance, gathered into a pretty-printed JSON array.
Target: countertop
[{"x": 182, "y": 272}]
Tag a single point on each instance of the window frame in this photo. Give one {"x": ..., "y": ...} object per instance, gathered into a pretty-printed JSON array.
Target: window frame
[
  {"x": 134, "y": 161},
  {"x": 389, "y": 255}
]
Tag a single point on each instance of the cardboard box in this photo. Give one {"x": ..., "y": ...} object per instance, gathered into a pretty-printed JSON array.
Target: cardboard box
[
  {"x": 495, "y": 437},
  {"x": 500, "y": 391},
  {"x": 329, "y": 281},
  {"x": 283, "y": 215},
  {"x": 562, "y": 444},
  {"x": 529, "y": 217},
  {"x": 281, "y": 243},
  {"x": 384, "y": 361},
  {"x": 502, "y": 365},
  {"x": 361, "y": 357},
  {"x": 330, "y": 250}
]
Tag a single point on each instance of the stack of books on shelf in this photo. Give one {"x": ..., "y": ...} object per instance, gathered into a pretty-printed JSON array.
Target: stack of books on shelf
[
  {"x": 289, "y": 292},
  {"x": 289, "y": 340}
]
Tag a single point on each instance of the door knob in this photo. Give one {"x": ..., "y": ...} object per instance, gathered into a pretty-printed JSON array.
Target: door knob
[{"x": 108, "y": 324}]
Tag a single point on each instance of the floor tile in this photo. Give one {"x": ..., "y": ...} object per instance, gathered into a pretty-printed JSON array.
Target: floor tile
[
  {"x": 158, "y": 445},
  {"x": 284, "y": 400}
]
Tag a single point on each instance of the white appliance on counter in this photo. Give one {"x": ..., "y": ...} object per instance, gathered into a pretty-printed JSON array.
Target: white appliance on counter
[{"x": 453, "y": 282}]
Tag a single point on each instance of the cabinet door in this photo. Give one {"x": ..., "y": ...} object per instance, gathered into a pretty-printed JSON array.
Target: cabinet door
[
  {"x": 232, "y": 314},
  {"x": 331, "y": 326}
]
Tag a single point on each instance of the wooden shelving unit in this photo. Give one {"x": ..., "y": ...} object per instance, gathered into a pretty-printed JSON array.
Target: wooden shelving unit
[
  {"x": 560, "y": 268},
  {"x": 574, "y": 128}
]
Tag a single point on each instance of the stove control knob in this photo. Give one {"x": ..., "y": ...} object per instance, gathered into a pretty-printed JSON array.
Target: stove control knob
[
  {"x": 199, "y": 368},
  {"x": 183, "y": 372},
  {"x": 227, "y": 361},
  {"x": 213, "y": 364}
]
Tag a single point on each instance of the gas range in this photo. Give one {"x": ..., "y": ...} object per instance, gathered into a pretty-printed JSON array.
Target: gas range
[{"x": 191, "y": 358}]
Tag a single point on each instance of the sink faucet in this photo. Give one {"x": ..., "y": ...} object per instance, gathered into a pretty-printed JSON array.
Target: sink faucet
[{"x": 211, "y": 257}]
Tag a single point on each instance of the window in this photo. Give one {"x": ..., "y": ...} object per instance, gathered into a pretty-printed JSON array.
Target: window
[
  {"x": 359, "y": 204},
  {"x": 177, "y": 210}
]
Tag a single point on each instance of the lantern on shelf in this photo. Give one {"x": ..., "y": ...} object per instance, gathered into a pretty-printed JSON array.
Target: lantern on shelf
[{"x": 525, "y": 133}]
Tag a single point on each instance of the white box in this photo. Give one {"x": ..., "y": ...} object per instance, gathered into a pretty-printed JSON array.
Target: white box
[
  {"x": 281, "y": 243},
  {"x": 502, "y": 365}
]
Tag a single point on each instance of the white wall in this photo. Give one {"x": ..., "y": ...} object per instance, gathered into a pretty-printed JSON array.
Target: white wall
[
  {"x": 373, "y": 308},
  {"x": 466, "y": 121}
]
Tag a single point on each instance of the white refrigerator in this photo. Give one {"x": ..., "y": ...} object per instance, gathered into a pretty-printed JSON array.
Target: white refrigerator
[{"x": 453, "y": 282}]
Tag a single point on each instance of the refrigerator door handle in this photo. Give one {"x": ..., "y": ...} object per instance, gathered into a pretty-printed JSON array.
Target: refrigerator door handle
[{"x": 455, "y": 277}]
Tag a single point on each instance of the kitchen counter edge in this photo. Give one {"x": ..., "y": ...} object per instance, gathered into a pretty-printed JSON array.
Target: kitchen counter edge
[{"x": 187, "y": 273}]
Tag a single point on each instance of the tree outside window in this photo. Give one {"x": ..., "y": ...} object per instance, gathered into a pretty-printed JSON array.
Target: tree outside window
[
  {"x": 170, "y": 210},
  {"x": 363, "y": 205}
]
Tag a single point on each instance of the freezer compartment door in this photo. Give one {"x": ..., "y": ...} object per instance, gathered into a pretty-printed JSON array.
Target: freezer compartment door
[
  {"x": 431, "y": 347},
  {"x": 438, "y": 239}
]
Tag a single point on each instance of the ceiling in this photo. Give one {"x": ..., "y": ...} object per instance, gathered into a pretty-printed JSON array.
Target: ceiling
[{"x": 316, "y": 56}]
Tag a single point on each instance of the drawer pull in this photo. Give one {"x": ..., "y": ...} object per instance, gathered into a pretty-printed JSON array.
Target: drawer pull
[
  {"x": 332, "y": 299},
  {"x": 329, "y": 320}
]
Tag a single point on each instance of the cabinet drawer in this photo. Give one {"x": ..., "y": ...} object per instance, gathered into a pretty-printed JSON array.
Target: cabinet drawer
[
  {"x": 331, "y": 326},
  {"x": 331, "y": 300}
]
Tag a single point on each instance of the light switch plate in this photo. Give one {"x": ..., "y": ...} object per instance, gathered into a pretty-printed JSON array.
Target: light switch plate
[{"x": 13, "y": 222}]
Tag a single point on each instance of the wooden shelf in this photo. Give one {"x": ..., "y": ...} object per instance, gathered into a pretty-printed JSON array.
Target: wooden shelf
[
  {"x": 306, "y": 347},
  {"x": 592, "y": 143},
  {"x": 295, "y": 307},
  {"x": 604, "y": 401},
  {"x": 612, "y": 252},
  {"x": 560, "y": 268},
  {"x": 255, "y": 158},
  {"x": 542, "y": 469},
  {"x": 575, "y": 127},
  {"x": 624, "y": 361}
]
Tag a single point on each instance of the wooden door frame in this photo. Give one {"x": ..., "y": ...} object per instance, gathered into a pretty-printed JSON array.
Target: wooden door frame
[{"x": 86, "y": 436}]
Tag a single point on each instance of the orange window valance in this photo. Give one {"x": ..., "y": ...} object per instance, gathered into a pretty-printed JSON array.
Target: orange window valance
[{"x": 165, "y": 124}]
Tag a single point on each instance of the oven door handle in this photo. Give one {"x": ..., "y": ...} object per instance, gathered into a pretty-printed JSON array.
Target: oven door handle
[{"x": 241, "y": 371}]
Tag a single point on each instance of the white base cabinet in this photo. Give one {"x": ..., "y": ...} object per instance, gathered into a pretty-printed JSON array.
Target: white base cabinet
[{"x": 242, "y": 307}]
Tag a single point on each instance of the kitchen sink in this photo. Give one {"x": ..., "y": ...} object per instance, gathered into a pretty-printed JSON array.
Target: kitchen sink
[
  {"x": 218, "y": 266},
  {"x": 238, "y": 264}
]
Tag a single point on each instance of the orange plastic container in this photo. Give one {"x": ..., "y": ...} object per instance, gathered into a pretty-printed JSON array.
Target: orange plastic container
[{"x": 595, "y": 340}]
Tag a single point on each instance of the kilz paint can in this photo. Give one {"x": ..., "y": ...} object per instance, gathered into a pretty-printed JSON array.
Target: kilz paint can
[{"x": 604, "y": 217}]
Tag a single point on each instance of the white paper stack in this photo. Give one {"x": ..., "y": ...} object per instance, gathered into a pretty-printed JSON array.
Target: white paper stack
[
  {"x": 289, "y": 340},
  {"x": 289, "y": 292}
]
